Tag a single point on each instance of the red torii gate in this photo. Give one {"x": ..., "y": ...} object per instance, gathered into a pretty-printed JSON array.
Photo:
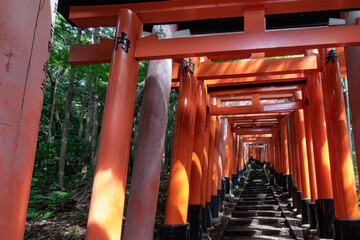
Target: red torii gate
[{"x": 105, "y": 223}]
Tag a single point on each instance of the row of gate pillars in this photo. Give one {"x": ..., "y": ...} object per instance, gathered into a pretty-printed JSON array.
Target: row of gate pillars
[
  {"x": 310, "y": 155},
  {"x": 315, "y": 165}
]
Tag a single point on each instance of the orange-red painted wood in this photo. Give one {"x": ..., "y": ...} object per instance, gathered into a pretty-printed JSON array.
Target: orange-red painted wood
[
  {"x": 227, "y": 153},
  {"x": 352, "y": 55},
  {"x": 320, "y": 141},
  {"x": 345, "y": 199},
  {"x": 185, "y": 10},
  {"x": 263, "y": 108},
  {"x": 150, "y": 48},
  {"x": 218, "y": 170},
  {"x": 284, "y": 147},
  {"x": 309, "y": 148},
  {"x": 212, "y": 176},
  {"x": 205, "y": 195},
  {"x": 108, "y": 195},
  {"x": 298, "y": 177},
  {"x": 180, "y": 169},
  {"x": 304, "y": 167},
  {"x": 211, "y": 124},
  {"x": 340, "y": 36},
  {"x": 25, "y": 28},
  {"x": 289, "y": 89},
  {"x": 198, "y": 155},
  {"x": 258, "y": 67}
]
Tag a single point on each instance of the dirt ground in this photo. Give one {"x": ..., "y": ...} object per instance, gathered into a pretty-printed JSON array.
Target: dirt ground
[{"x": 69, "y": 222}]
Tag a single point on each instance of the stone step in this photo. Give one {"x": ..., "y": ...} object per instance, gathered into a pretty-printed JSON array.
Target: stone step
[
  {"x": 258, "y": 238},
  {"x": 266, "y": 202},
  {"x": 257, "y": 207},
  {"x": 256, "y": 213},
  {"x": 257, "y": 220},
  {"x": 258, "y": 198},
  {"x": 244, "y": 195},
  {"x": 258, "y": 230}
]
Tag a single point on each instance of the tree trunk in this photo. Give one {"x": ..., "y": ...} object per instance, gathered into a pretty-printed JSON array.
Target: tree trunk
[
  {"x": 52, "y": 105},
  {"x": 91, "y": 121},
  {"x": 94, "y": 129},
  {"x": 65, "y": 133},
  {"x": 82, "y": 116},
  {"x": 88, "y": 131}
]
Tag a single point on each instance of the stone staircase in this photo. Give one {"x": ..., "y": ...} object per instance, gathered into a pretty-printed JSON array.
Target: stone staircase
[{"x": 257, "y": 214}]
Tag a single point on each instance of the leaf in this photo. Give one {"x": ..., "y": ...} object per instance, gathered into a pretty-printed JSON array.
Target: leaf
[{"x": 71, "y": 233}]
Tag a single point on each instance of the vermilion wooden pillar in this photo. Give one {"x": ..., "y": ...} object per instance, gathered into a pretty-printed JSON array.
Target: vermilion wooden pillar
[
  {"x": 198, "y": 148},
  {"x": 347, "y": 222},
  {"x": 310, "y": 156},
  {"x": 290, "y": 154},
  {"x": 26, "y": 29},
  {"x": 278, "y": 162},
  {"x": 227, "y": 158},
  {"x": 178, "y": 191},
  {"x": 234, "y": 168},
  {"x": 298, "y": 176},
  {"x": 273, "y": 152},
  {"x": 211, "y": 187},
  {"x": 352, "y": 57},
  {"x": 140, "y": 214},
  {"x": 213, "y": 165},
  {"x": 285, "y": 155},
  {"x": 325, "y": 202},
  {"x": 304, "y": 167},
  {"x": 197, "y": 172},
  {"x": 219, "y": 163},
  {"x": 206, "y": 182},
  {"x": 108, "y": 195}
]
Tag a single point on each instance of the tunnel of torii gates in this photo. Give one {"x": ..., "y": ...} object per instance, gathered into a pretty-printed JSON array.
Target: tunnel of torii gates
[{"x": 289, "y": 113}]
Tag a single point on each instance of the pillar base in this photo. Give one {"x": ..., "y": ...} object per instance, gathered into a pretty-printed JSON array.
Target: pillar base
[
  {"x": 221, "y": 195},
  {"x": 312, "y": 220},
  {"x": 234, "y": 179},
  {"x": 325, "y": 213},
  {"x": 298, "y": 202},
  {"x": 227, "y": 185},
  {"x": 195, "y": 218},
  {"x": 346, "y": 229},
  {"x": 272, "y": 180},
  {"x": 268, "y": 165},
  {"x": 231, "y": 187},
  {"x": 293, "y": 196},
  {"x": 285, "y": 183},
  {"x": 280, "y": 182},
  {"x": 215, "y": 206},
  {"x": 207, "y": 218},
  {"x": 242, "y": 182},
  {"x": 175, "y": 232},
  {"x": 291, "y": 183},
  {"x": 305, "y": 210},
  {"x": 240, "y": 173}
]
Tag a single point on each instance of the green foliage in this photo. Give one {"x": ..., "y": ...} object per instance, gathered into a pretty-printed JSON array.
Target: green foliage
[
  {"x": 28, "y": 237},
  {"x": 45, "y": 198},
  {"x": 71, "y": 233},
  {"x": 78, "y": 214}
]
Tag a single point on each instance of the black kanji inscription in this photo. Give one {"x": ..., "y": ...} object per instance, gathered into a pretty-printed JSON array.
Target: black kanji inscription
[
  {"x": 122, "y": 40},
  {"x": 332, "y": 56},
  {"x": 188, "y": 64}
]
